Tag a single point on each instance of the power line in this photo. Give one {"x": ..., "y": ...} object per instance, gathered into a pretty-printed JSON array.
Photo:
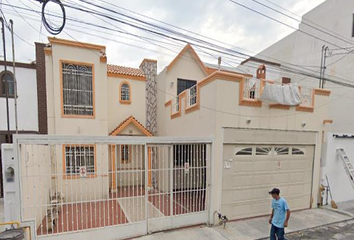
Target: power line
[
  {"x": 227, "y": 53},
  {"x": 8, "y": 27},
  {"x": 224, "y": 112},
  {"x": 309, "y": 25},
  {"x": 200, "y": 41},
  {"x": 307, "y": 20},
  {"x": 285, "y": 24},
  {"x": 227, "y": 49}
]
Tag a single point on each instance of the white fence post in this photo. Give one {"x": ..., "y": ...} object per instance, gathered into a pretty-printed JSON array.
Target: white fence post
[{"x": 11, "y": 184}]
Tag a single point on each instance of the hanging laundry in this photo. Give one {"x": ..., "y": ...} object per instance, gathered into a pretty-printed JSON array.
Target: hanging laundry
[{"x": 285, "y": 95}]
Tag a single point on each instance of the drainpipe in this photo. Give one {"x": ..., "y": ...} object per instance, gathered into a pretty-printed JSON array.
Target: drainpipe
[
  {"x": 219, "y": 63},
  {"x": 6, "y": 82},
  {"x": 14, "y": 72}
]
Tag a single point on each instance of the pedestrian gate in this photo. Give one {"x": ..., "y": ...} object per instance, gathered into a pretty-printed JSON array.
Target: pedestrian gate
[{"x": 111, "y": 187}]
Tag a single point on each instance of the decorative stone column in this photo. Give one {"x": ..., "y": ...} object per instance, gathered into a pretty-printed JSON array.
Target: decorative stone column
[{"x": 149, "y": 67}]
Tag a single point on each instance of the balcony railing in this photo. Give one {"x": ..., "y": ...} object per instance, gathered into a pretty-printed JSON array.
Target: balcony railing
[
  {"x": 306, "y": 97},
  {"x": 175, "y": 104},
  {"x": 251, "y": 89},
  {"x": 192, "y": 96}
]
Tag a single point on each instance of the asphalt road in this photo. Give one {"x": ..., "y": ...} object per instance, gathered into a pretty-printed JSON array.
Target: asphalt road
[{"x": 339, "y": 231}]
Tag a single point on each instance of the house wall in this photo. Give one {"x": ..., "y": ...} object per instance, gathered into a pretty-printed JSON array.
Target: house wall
[
  {"x": 332, "y": 166},
  {"x": 118, "y": 112},
  {"x": 301, "y": 49},
  {"x": 185, "y": 68},
  {"x": 93, "y": 188},
  {"x": 62, "y": 125},
  {"x": 224, "y": 97},
  {"x": 26, "y": 103}
]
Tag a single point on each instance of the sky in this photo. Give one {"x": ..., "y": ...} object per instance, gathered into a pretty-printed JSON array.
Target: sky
[{"x": 220, "y": 20}]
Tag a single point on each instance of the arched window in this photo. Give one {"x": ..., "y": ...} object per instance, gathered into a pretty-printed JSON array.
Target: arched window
[
  {"x": 7, "y": 82},
  {"x": 125, "y": 93}
]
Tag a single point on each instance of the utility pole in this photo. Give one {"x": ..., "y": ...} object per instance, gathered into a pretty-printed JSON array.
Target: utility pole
[
  {"x": 14, "y": 72},
  {"x": 6, "y": 82},
  {"x": 323, "y": 66}
]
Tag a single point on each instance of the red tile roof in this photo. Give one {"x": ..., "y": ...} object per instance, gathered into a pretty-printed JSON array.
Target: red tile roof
[{"x": 115, "y": 69}]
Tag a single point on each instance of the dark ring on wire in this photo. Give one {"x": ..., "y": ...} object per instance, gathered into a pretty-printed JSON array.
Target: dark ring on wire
[{"x": 53, "y": 30}]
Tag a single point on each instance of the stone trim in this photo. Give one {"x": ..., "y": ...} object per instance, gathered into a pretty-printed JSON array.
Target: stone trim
[{"x": 41, "y": 89}]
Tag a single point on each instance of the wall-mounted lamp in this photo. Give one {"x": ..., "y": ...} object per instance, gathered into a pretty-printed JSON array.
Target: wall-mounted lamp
[
  {"x": 172, "y": 84},
  {"x": 303, "y": 124},
  {"x": 248, "y": 121}
]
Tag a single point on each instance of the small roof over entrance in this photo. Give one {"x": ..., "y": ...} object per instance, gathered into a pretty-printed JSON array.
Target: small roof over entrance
[{"x": 130, "y": 127}]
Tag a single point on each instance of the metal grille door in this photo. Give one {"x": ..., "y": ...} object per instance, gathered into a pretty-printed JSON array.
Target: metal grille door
[
  {"x": 177, "y": 178},
  {"x": 119, "y": 187}
]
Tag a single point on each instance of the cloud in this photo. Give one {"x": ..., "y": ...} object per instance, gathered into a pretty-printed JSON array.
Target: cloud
[{"x": 217, "y": 19}]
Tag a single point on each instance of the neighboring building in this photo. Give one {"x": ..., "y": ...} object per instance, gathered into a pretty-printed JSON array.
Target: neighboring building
[
  {"x": 257, "y": 146},
  {"x": 27, "y": 110},
  {"x": 339, "y": 180},
  {"x": 304, "y": 51}
]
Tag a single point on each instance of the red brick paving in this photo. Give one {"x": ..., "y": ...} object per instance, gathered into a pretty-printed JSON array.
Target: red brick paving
[
  {"x": 73, "y": 217},
  {"x": 77, "y": 216}
]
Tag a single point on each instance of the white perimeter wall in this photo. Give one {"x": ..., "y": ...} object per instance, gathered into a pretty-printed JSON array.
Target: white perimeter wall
[
  {"x": 26, "y": 103},
  {"x": 339, "y": 182}
]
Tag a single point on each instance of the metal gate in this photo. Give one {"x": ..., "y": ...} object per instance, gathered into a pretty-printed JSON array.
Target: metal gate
[{"x": 111, "y": 187}]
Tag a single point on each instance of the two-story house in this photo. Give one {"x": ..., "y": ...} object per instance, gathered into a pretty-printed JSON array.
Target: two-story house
[
  {"x": 85, "y": 96},
  {"x": 257, "y": 145}
]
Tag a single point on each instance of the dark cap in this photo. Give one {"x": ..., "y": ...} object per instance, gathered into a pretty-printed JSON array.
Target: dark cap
[{"x": 275, "y": 191}]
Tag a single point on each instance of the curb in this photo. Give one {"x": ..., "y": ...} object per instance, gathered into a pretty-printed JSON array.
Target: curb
[
  {"x": 306, "y": 229},
  {"x": 339, "y": 211}
]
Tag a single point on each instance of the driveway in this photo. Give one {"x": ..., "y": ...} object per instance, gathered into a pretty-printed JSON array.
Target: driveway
[{"x": 257, "y": 228}]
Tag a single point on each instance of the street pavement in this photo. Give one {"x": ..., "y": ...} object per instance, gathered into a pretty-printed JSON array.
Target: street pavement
[
  {"x": 339, "y": 231},
  {"x": 257, "y": 228}
]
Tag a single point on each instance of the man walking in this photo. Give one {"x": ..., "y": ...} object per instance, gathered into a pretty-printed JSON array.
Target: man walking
[{"x": 280, "y": 215}]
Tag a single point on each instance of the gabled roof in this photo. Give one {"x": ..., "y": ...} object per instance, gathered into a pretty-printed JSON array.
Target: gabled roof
[
  {"x": 126, "y": 122},
  {"x": 258, "y": 60},
  {"x": 194, "y": 54},
  {"x": 120, "y": 70}
]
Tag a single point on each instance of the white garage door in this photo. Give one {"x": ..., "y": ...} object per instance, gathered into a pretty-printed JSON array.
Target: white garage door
[{"x": 250, "y": 171}]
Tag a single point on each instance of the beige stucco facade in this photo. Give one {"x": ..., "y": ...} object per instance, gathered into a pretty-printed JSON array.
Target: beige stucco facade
[
  {"x": 220, "y": 108},
  {"x": 63, "y": 125},
  {"x": 118, "y": 111},
  {"x": 109, "y": 114}
]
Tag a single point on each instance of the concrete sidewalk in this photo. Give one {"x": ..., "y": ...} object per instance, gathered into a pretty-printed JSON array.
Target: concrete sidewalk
[{"x": 256, "y": 228}]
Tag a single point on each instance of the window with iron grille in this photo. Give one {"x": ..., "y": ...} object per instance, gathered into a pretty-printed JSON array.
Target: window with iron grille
[
  {"x": 125, "y": 92},
  {"x": 77, "y": 157},
  {"x": 7, "y": 82},
  {"x": 125, "y": 154},
  {"x": 77, "y": 89}
]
